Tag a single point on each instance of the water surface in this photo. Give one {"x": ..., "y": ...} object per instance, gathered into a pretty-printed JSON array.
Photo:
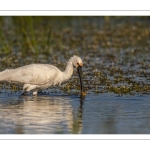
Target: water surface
[{"x": 96, "y": 114}]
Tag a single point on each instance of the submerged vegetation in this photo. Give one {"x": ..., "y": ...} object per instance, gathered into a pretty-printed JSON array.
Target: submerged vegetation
[{"x": 115, "y": 50}]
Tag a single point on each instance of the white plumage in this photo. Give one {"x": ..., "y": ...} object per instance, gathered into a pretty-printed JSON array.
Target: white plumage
[{"x": 36, "y": 77}]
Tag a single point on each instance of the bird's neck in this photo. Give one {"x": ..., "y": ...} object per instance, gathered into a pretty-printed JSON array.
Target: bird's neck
[{"x": 68, "y": 71}]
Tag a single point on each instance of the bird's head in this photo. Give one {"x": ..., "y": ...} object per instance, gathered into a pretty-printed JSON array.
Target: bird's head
[{"x": 77, "y": 61}]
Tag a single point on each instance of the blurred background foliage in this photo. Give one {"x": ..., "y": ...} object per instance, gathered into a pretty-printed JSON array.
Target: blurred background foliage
[{"x": 45, "y": 34}]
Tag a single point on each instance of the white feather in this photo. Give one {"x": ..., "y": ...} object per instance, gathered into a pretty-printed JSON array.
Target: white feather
[{"x": 39, "y": 76}]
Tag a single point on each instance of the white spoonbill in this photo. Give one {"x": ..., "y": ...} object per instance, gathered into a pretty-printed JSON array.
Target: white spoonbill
[{"x": 36, "y": 77}]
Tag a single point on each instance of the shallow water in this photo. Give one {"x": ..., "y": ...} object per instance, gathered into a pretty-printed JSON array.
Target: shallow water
[{"x": 55, "y": 114}]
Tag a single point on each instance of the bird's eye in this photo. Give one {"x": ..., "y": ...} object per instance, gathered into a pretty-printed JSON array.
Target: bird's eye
[{"x": 78, "y": 64}]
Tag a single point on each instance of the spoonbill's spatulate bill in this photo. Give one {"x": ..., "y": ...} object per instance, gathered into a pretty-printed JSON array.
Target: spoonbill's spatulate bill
[{"x": 36, "y": 77}]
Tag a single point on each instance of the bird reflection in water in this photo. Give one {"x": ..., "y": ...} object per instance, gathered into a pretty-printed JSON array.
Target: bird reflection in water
[
  {"x": 80, "y": 111},
  {"x": 41, "y": 115}
]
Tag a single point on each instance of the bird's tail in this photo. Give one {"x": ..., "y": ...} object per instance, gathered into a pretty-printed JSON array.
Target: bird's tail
[{"x": 3, "y": 75}]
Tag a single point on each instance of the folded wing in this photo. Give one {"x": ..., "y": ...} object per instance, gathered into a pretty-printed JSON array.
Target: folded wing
[{"x": 35, "y": 74}]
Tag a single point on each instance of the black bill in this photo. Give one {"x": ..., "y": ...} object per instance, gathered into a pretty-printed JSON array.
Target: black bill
[{"x": 80, "y": 76}]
